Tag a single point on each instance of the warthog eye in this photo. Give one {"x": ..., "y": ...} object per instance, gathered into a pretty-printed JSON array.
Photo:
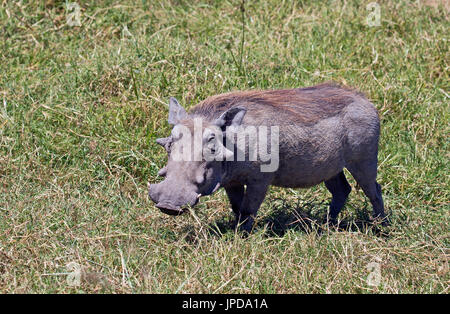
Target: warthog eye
[{"x": 212, "y": 143}]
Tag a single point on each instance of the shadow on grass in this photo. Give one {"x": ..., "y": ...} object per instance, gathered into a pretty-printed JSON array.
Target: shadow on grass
[
  {"x": 304, "y": 217},
  {"x": 313, "y": 217}
]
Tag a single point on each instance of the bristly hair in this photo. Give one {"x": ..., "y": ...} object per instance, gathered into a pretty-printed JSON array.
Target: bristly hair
[{"x": 305, "y": 105}]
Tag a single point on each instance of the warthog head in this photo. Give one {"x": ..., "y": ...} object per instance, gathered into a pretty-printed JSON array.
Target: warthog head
[{"x": 196, "y": 155}]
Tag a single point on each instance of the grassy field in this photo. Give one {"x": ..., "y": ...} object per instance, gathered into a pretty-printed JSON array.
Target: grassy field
[{"x": 81, "y": 107}]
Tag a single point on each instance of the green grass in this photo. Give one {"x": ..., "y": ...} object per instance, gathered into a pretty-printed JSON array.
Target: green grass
[{"x": 80, "y": 108}]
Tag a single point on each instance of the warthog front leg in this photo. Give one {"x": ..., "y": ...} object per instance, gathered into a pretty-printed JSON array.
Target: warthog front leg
[
  {"x": 252, "y": 200},
  {"x": 235, "y": 194}
]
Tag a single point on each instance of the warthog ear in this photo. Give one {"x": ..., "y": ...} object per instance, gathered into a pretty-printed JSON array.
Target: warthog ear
[
  {"x": 176, "y": 112},
  {"x": 164, "y": 142},
  {"x": 231, "y": 117}
]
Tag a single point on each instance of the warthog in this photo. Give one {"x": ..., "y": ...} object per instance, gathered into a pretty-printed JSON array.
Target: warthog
[{"x": 314, "y": 133}]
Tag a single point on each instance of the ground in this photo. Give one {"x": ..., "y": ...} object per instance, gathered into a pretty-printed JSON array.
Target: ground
[{"x": 81, "y": 105}]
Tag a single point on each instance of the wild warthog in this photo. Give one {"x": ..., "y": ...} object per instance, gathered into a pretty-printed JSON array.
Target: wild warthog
[{"x": 312, "y": 133}]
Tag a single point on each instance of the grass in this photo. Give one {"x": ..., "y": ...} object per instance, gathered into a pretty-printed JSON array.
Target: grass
[{"x": 81, "y": 107}]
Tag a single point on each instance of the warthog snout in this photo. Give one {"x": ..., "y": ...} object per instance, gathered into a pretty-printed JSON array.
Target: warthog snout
[{"x": 167, "y": 202}]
